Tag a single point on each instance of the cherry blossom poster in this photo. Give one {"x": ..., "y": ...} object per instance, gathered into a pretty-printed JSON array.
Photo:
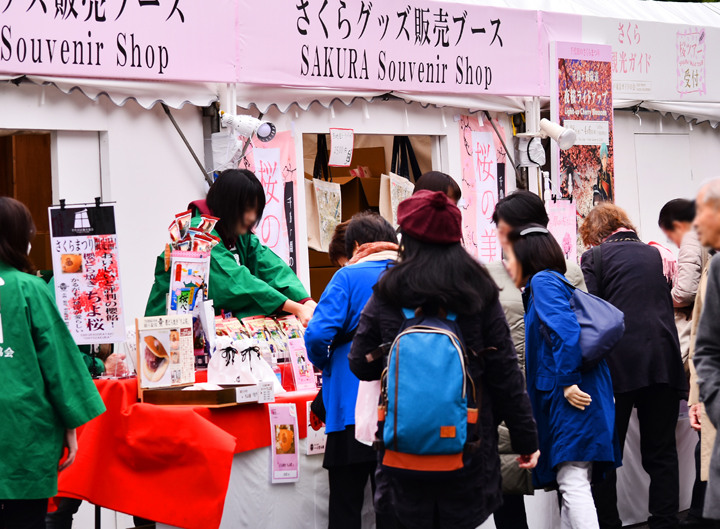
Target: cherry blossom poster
[
  {"x": 483, "y": 184},
  {"x": 87, "y": 276},
  {"x": 274, "y": 165},
  {"x": 582, "y": 101},
  {"x": 563, "y": 226}
]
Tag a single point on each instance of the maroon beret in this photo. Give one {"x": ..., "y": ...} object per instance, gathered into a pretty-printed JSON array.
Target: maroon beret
[{"x": 430, "y": 216}]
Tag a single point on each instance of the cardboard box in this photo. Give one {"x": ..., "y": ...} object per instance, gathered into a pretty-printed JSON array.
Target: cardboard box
[
  {"x": 319, "y": 259},
  {"x": 319, "y": 278},
  {"x": 371, "y": 157}
]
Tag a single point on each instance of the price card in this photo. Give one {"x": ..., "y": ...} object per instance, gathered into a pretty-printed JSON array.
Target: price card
[
  {"x": 284, "y": 459},
  {"x": 341, "y": 147}
]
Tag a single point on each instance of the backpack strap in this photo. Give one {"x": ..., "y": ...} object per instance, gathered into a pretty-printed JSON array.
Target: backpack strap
[
  {"x": 597, "y": 267},
  {"x": 408, "y": 313}
]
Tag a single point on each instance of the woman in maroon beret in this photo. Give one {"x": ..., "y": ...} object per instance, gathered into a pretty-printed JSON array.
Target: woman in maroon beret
[{"x": 436, "y": 275}]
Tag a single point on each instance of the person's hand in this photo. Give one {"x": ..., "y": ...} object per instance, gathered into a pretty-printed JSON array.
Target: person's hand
[
  {"x": 305, "y": 313},
  {"x": 576, "y": 397},
  {"x": 115, "y": 365},
  {"x": 311, "y": 303},
  {"x": 695, "y": 413},
  {"x": 71, "y": 444},
  {"x": 529, "y": 461}
]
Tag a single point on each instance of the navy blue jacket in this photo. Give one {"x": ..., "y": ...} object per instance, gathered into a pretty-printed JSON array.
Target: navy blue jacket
[
  {"x": 338, "y": 313},
  {"x": 566, "y": 433},
  {"x": 633, "y": 281}
]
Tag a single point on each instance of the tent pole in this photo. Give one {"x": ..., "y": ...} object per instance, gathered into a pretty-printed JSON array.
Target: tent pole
[{"x": 207, "y": 177}]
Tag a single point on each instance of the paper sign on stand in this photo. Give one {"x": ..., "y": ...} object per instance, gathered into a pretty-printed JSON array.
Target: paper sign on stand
[
  {"x": 87, "y": 275},
  {"x": 316, "y": 437},
  {"x": 341, "y": 147},
  {"x": 302, "y": 368},
  {"x": 284, "y": 460}
]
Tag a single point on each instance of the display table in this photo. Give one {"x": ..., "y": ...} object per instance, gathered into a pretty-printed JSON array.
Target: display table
[{"x": 170, "y": 465}]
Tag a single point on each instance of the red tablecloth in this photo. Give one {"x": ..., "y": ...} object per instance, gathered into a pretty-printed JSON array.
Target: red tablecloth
[{"x": 170, "y": 465}]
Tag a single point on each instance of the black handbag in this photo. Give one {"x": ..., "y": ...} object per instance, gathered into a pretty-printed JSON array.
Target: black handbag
[{"x": 318, "y": 406}]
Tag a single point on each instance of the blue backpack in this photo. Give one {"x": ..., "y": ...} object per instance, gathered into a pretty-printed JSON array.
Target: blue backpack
[{"x": 428, "y": 414}]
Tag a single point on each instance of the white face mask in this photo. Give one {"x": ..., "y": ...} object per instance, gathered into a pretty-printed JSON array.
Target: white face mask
[{"x": 29, "y": 248}]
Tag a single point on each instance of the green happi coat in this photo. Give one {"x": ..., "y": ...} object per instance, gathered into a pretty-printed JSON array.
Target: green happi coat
[
  {"x": 45, "y": 387},
  {"x": 249, "y": 280}
]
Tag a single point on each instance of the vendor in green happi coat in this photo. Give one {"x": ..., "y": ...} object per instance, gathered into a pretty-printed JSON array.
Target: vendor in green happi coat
[
  {"x": 45, "y": 388},
  {"x": 246, "y": 278}
]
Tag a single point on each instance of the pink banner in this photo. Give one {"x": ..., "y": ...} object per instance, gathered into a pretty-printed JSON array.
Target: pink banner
[
  {"x": 483, "y": 169},
  {"x": 356, "y": 44},
  {"x": 274, "y": 165},
  {"x": 158, "y": 40}
]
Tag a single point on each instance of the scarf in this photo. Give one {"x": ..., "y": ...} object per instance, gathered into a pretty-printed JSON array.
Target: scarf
[
  {"x": 375, "y": 251},
  {"x": 670, "y": 265}
]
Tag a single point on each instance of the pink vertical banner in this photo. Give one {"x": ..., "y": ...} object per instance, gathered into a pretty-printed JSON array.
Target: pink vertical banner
[
  {"x": 562, "y": 225},
  {"x": 483, "y": 163},
  {"x": 274, "y": 165}
]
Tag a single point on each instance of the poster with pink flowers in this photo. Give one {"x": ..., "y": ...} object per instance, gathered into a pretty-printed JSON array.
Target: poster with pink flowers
[
  {"x": 562, "y": 225},
  {"x": 482, "y": 158}
]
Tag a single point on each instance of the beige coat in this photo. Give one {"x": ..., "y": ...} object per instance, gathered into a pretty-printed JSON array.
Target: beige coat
[
  {"x": 690, "y": 263},
  {"x": 708, "y": 430},
  {"x": 515, "y": 479}
]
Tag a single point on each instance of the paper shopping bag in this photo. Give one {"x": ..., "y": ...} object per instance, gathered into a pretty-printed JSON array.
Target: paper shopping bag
[{"x": 366, "y": 411}]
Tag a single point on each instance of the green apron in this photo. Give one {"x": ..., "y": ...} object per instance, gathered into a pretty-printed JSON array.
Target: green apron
[
  {"x": 248, "y": 281},
  {"x": 44, "y": 387}
]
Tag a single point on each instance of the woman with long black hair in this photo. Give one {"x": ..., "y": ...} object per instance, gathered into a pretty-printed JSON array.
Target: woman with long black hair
[
  {"x": 246, "y": 278},
  {"x": 436, "y": 275}
]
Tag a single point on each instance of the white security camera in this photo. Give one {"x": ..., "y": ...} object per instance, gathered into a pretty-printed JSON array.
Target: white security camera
[
  {"x": 564, "y": 137},
  {"x": 247, "y": 126}
]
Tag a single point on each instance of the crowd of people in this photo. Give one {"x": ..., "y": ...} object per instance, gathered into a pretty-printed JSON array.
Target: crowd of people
[{"x": 534, "y": 412}]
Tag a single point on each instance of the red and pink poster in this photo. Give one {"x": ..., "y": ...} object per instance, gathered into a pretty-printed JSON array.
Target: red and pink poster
[
  {"x": 87, "y": 276},
  {"x": 582, "y": 101},
  {"x": 274, "y": 165},
  {"x": 483, "y": 184}
]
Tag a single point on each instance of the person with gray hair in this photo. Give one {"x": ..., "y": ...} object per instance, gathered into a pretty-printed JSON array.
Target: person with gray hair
[{"x": 707, "y": 345}]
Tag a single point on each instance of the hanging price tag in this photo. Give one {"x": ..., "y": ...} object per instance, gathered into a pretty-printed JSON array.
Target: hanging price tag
[{"x": 341, "y": 147}]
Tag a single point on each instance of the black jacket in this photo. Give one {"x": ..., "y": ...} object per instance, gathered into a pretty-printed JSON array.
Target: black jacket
[
  {"x": 466, "y": 501},
  {"x": 633, "y": 281}
]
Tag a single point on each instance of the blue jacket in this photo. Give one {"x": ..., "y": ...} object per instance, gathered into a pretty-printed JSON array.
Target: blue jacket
[
  {"x": 566, "y": 433},
  {"x": 338, "y": 313}
]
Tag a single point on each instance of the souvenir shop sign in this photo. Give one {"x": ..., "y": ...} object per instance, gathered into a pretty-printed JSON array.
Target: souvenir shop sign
[
  {"x": 124, "y": 39},
  {"x": 421, "y": 46},
  {"x": 582, "y": 100},
  {"x": 86, "y": 271}
]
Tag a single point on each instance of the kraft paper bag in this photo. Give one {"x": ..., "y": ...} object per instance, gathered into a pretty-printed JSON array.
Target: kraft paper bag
[
  {"x": 393, "y": 190},
  {"x": 313, "y": 216}
]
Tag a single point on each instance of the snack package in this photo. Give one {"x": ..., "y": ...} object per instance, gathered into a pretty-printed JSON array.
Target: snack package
[
  {"x": 174, "y": 231},
  {"x": 277, "y": 337},
  {"x": 255, "y": 325},
  {"x": 183, "y": 222},
  {"x": 207, "y": 223},
  {"x": 214, "y": 240},
  {"x": 204, "y": 243},
  {"x": 291, "y": 327},
  {"x": 236, "y": 329},
  {"x": 185, "y": 244}
]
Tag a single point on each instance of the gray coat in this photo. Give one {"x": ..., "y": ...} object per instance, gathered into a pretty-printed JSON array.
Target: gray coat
[
  {"x": 515, "y": 479},
  {"x": 707, "y": 364}
]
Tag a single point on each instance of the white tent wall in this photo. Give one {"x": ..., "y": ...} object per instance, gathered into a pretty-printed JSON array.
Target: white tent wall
[
  {"x": 379, "y": 117},
  {"x": 139, "y": 158},
  {"x": 658, "y": 158}
]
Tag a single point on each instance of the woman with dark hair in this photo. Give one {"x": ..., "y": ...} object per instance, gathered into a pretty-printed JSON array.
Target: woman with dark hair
[
  {"x": 336, "y": 249},
  {"x": 246, "y": 278},
  {"x": 437, "y": 181},
  {"x": 574, "y": 410},
  {"x": 371, "y": 242},
  {"x": 438, "y": 276},
  {"x": 646, "y": 366},
  {"x": 46, "y": 391}
]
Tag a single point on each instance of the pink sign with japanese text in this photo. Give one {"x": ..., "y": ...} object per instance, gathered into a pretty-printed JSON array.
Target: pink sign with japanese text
[
  {"x": 159, "y": 40},
  {"x": 284, "y": 449},
  {"x": 355, "y": 44},
  {"x": 274, "y": 165},
  {"x": 563, "y": 226},
  {"x": 483, "y": 184}
]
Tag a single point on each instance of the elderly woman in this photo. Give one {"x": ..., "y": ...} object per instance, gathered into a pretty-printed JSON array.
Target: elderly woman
[
  {"x": 371, "y": 243},
  {"x": 646, "y": 366}
]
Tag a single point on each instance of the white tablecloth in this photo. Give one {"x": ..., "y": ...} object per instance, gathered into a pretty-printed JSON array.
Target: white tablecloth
[{"x": 253, "y": 502}]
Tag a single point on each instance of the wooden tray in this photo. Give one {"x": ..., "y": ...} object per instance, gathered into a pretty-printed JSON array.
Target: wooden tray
[{"x": 177, "y": 397}]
